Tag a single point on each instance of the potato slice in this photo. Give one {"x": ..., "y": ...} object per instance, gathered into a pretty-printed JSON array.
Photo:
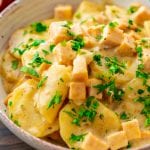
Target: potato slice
[
  {"x": 50, "y": 97},
  {"x": 104, "y": 122},
  {"x": 23, "y": 113},
  {"x": 23, "y": 37}
]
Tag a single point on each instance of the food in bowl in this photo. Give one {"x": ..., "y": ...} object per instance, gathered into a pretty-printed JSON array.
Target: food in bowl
[{"x": 83, "y": 78}]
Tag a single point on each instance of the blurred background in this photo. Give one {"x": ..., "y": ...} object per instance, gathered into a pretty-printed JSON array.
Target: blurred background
[{"x": 4, "y": 3}]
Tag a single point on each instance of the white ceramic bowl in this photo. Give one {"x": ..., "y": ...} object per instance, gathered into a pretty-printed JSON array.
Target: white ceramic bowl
[{"x": 21, "y": 13}]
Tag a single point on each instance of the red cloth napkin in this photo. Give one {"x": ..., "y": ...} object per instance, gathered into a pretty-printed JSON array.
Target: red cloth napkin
[{"x": 4, "y": 3}]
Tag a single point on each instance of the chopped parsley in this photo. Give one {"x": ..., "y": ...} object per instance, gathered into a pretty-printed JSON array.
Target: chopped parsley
[
  {"x": 140, "y": 91},
  {"x": 78, "y": 15},
  {"x": 42, "y": 81},
  {"x": 146, "y": 109},
  {"x": 147, "y": 122},
  {"x": 56, "y": 99},
  {"x": 20, "y": 51},
  {"x": 77, "y": 43},
  {"x": 14, "y": 64},
  {"x": 124, "y": 116},
  {"x": 67, "y": 24},
  {"x": 129, "y": 145},
  {"x": 30, "y": 71},
  {"x": 139, "y": 51},
  {"x": 70, "y": 33},
  {"x": 114, "y": 65},
  {"x": 111, "y": 90},
  {"x": 132, "y": 9},
  {"x": 17, "y": 123},
  {"x": 37, "y": 60},
  {"x": 61, "y": 79},
  {"x": 10, "y": 103},
  {"x": 97, "y": 59},
  {"x": 113, "y": 24},
  {"x": 39, "y": 27},
  {"x": 45, "y": 52},
  {"x": 86, "y": 112},
  {"x": 37, "y": 42},
  {"x": 138, "y": 30},
  {"x": 64, "y": 43},
  {"x": 130, "y": 22},
  {"x": 51, "y": 47},
  {"x": 77, "y": 138}
]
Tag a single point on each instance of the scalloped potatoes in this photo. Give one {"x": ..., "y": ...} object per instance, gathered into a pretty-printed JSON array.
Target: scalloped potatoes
[{"x": 83, "y": 75}]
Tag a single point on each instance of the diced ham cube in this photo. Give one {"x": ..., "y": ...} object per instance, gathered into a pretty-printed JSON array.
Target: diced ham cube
[
  {"x": 127, "y": 47},
  {"x": 117, "y": 140},
  {"x": 58, "y": 32},
  {"x": 77, "y": 92},
  {"x": 141, "y": 15},
  {"x": 132, "y": 130},
  {"x": 64, "y": 53},
  {"x": 92, "y": 142},
  {"x": 146, "y": 59},
  {"x": 63, "y": 12},
  {"x": 111, "y": 37},
  {"x": 93, "y": 91},
  {"x": 80, "y": 72}
]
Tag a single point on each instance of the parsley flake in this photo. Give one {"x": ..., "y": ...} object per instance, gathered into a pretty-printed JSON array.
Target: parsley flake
[
  {"x": 56, "y": 99},
  {"x": 51, "y": 47},
  {"x": 39, "y": 27},
  {"x": 77, "y": 43},
  {"x": 14, "y": 64},
  {"x": 97, "y": 59},
  {"x": 77, "y": 138},
  {"x": 42, "y": 81},
  {"x": 114, "y": 65},
  {"x": 30, "y": 71},
  {"x": 113, "y": 24}
]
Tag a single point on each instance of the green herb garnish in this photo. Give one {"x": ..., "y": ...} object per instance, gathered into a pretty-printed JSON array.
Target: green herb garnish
[
  {"x": 56, "y": 99},
  {"x": 39, "y": 27},
  {"x": 114, "y": 65},
  {"x": 77, "y": 43},
  {"x": 10, "y": 103},
  {"x": 86, "y": 112},
  {"x": 51, "y": 47},
  {"x": 37, "y": 60},
  {"x": 77, "y": 138},
  {"x": 37, "y": 42},
  {"x": 113, "y": 24},
  {"x": 14, "y": 64},
  {"x": 42, "y": 81},
  {"x": 130, "y": 22},
  {"x": 132, "y": 9},
  {"x": 111, "y": 90},
  {"x": 124, "y": 116},
  {"x": 97, "y": 59},
  {"x": 20, "y": 51},
  {"x": 30, "y": 71}
]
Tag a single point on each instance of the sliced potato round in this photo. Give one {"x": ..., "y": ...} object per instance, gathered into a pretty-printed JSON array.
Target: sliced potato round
[
  {"x": 23, "y": 113},
  {"x": 105, "y": 122},
  {"x": 50, "y": 97}
]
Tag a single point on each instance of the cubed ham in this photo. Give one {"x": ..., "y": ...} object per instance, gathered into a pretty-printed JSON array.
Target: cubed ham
[
  {"x": 77, "y": 92},
  {"x": 127, "y": 47},
  {"x": 64, "y": 53},
  {"x": 63, "y": 12},
  {"x": 80, "y": 72}
]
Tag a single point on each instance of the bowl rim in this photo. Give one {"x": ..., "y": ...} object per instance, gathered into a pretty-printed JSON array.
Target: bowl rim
[{"x": 21, "y": 133}]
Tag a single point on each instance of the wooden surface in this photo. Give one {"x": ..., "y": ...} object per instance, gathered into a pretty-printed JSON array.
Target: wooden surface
[{"x": 8, "y": 141}]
